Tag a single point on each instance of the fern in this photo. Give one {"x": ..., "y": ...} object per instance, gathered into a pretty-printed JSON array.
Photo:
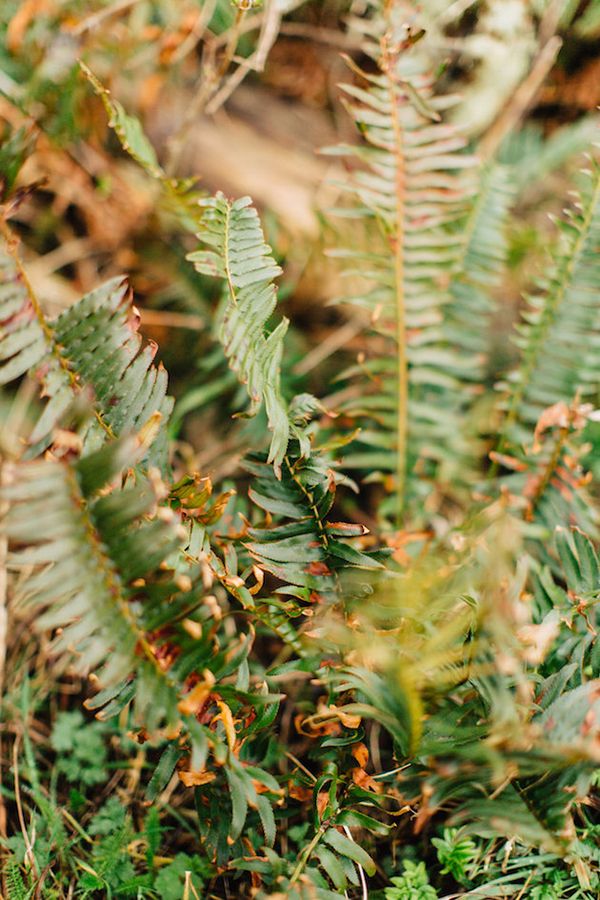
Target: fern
[
  {"x": 415, "y": 184},
  {"x": 14, "y": 881},
  {"x": 97, "y": 547},
  {"x": 447, "y": 694},
  {"x": 480, "y": 265},
  {"x": 307, "y": 552},
  {"x": 240, "y": 256},
  {"x": 559, "y": 334},
  {"x": 93, "y": 344},
  {"x": 558, "y": 369},
  {"x": 463, "y": 727},
  {"x": 548, "y": 480}
]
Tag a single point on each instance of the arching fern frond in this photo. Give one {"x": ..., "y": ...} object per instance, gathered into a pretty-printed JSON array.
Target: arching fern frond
[
  {"x": 548, "y": 481},
  {"x": 239, "y": 255},
  {"x": 89, "y": 551},
  {"x": 93, "y": 345},
  {"x": 560, "y": 333},
  {"x": 107, "y": 578}
]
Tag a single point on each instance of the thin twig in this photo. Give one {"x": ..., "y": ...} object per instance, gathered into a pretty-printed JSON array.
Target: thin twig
[
  {"x": 63, "y": 255},
  {"x": 330, "y": 345},
  {"x": 205, "y": 87},
  {"x": 164, "y": 318},
  {"x": 232, "y": 83},
  {"x": 322, "y": 35},
  {"x": 301, "y": 766},
  {"x": 92, "y": 20},
  {"x": 268, "y": 34},
  {"x": 271, "y": 22},
  {"x": 197, "y": 32},
  {"x": 521, "y": 99}
]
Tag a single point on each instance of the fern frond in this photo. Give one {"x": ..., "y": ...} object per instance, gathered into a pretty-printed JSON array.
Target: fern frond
[
  {"x": 127, "y": 128},
  {"x": 560, "y": 332},
  {"x": 93, "y": 549},
  {"x": 306, "y": 552},
  {"x": 93, "y": 344},
  {"x": 107, "y": 577},
  {"x": 414, "y": 182},
  {"x": 500, "y": 751},
  {"x": 240, "y": 256},
  {"x": 480, "y": 264}
]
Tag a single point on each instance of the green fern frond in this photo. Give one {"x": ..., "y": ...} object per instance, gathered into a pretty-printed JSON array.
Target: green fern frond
[
  {"x": 93, "y": 344},
  {"x": 560, "y": 333},
  {"x": 127, "y": 128},
  {"x": 480, "y": 265},
  {"x": 93, "y": 549},
  {"x": 240, "y": 256},
  {"x": 306, "y": 552},
  {"x": 548, "y": 482},
  {"x": 14, "y": 881},
  {"x": 415, "y": 183}
]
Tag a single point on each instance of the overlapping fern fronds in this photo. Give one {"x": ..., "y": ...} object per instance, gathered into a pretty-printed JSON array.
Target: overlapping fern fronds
[
  {"x": 501, "y": 748},
  {"x": 480, "y": 264},
  {"x": 93, "y": 345},
  {"x": 415, "y": 182},
  {"x": 105, "y": 579},
  {"x": 239, "y": 255},
  {"x": 543, "y": 403}
]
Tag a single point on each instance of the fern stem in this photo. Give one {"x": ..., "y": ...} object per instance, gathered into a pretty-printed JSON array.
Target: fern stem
[
  {"x": 311, "y": 502},
  {"x": 402, "y": 359},
  {"x": 226, "y": 262}
]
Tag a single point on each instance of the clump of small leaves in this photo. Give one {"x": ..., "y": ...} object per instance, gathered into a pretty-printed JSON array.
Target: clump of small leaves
[
  {"x": 455, "y": 854},
  {"x": 413, "y": 884},
  {"x": 81, "y": 750}
]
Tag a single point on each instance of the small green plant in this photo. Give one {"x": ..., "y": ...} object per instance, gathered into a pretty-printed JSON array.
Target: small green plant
[
  {"x": 456, "y": 854},
  {"x": 413, "y": 884},
  {"x": 80, "y": 747}
]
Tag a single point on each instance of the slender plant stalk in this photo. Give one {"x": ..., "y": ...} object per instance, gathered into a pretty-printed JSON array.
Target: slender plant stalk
[
  {"x": 402, "y": 361},
  {"x": 305, "y": 856}
]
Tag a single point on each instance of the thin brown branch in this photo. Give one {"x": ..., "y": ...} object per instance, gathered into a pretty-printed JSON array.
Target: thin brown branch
[{"x": 522, "y": 99}]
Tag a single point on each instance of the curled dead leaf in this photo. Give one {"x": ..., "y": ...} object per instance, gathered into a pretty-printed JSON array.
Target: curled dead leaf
[
  {"x": 360, "y": 754},
  {"x": 198, "y": 695},
  {"x": 365, "y": 781},
  {"x": 195, "y": 779}
]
